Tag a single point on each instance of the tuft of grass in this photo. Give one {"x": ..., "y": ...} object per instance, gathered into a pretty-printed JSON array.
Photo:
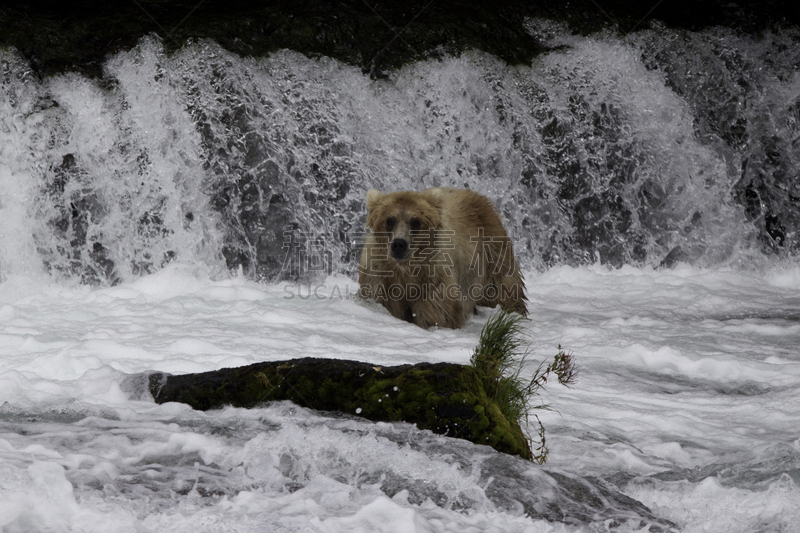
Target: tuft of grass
[{"x": 499, "y": 359}]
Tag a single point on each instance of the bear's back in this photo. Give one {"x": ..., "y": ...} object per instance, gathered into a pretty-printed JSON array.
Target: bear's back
[{"x": 467, "y": 212}]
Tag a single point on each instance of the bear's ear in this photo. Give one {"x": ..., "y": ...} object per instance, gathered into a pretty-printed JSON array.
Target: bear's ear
[
  {"x": 434, "y": 196},
  {"x": 373, "y": 195}
]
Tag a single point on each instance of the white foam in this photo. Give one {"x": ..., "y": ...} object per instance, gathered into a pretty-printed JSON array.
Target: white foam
[{"x": 668, "y": 381}]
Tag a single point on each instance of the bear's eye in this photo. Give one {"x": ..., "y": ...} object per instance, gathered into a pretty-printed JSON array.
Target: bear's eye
[
  {"x": 390, "y": 223},
  {"x": 415, "y": 224}
]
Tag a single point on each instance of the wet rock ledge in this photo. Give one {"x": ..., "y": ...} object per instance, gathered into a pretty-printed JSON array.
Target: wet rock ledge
[{"x": 376, "y": 35}]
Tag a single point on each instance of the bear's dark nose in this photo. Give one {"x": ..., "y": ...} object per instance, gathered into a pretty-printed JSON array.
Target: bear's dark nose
[{"x": 399, "y": 248}]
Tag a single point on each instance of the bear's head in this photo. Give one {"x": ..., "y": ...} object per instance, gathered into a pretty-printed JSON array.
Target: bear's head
[{"x": 403, "y": 221}]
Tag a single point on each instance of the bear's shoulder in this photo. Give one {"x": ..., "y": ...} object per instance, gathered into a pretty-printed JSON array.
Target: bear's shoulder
[{"x": 450, "y": 198}]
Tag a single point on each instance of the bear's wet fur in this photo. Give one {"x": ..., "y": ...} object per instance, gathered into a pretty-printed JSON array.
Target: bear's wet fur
[{"x": 430, "y": 257}]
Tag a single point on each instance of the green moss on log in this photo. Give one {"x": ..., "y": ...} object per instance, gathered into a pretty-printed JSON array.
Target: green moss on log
[{"x": 446, "y": 398}]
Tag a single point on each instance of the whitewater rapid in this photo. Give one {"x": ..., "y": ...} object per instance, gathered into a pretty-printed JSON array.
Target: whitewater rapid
[
  {"x": 194, "y": 209},
  {"x": 687, "y": 401}
]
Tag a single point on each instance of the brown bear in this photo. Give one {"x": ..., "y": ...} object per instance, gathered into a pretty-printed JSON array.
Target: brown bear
[{"x": 431, "y": 257}]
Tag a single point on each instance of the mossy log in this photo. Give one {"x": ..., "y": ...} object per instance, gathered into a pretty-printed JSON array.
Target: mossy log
[{"x": 445, "y": 398}]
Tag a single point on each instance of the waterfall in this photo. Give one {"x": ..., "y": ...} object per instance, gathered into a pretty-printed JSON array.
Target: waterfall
[{"x": 660, "y": 147}]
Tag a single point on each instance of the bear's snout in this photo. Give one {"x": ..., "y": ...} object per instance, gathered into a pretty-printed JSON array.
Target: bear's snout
[{"x": 399, "y": 248}]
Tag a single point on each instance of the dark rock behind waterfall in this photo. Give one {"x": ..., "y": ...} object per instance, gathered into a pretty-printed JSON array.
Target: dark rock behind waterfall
[{"x": 376, "y": 36}]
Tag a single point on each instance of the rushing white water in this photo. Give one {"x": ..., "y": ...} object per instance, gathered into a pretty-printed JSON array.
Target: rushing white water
[
  {"x": 136, "y": 212},
  {"x": 688, "y": 400}
]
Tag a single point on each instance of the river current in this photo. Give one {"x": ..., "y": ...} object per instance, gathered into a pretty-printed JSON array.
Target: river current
[{"x": 198, "y": 210}]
